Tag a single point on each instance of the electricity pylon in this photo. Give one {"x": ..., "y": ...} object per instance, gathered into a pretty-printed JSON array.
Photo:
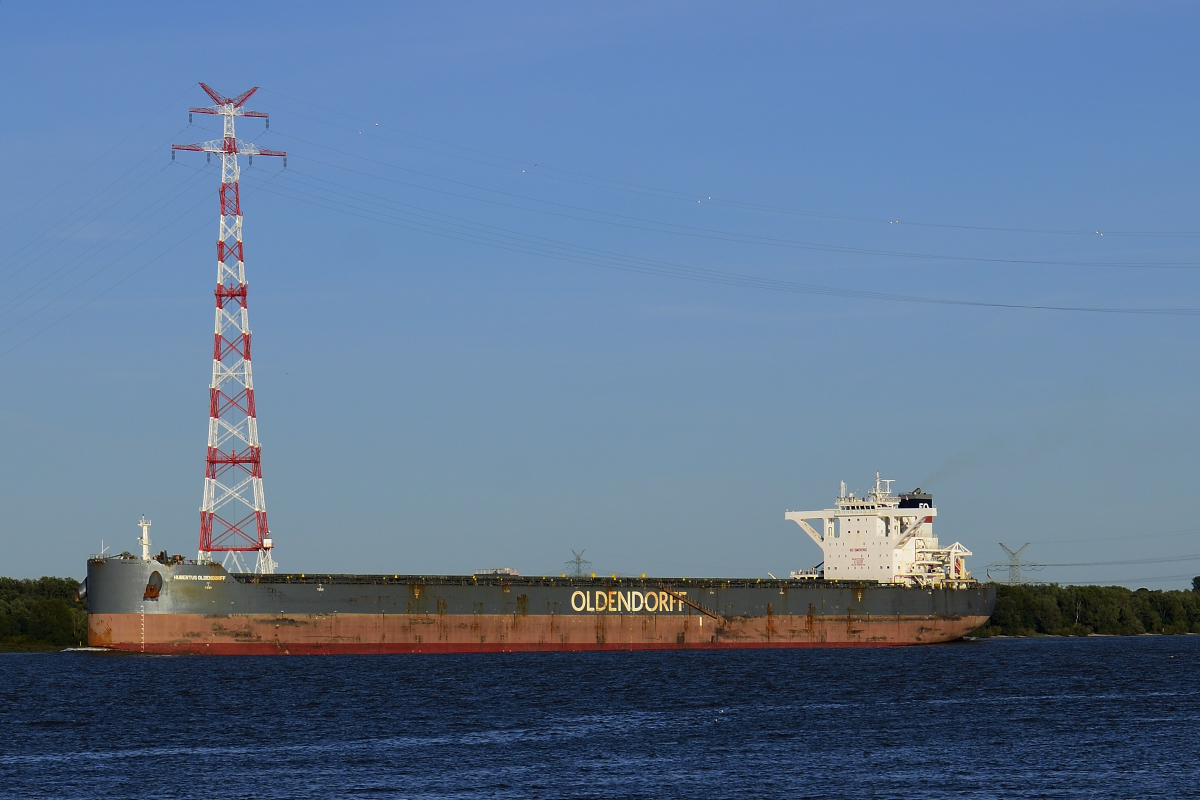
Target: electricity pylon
[{"x": 233, "y": 512}]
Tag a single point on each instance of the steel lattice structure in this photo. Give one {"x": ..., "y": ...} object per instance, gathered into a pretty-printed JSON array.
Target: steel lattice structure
[
  {"x": 578, "y": 566},
  {"x": 233, "y": 513},
  {"x": 1015, "y": 564}
]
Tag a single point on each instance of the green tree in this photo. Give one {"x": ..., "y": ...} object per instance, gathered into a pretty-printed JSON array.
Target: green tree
[
  {"x": 42, "y": 612},
  {"x": 1036, "y": 609},
  {"x": 51, "y": 621}
]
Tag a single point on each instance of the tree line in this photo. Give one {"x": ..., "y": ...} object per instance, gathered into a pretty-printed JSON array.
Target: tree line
[
  {"x": 1050, "y": 609},
  {"x": 41, "y": 613}
]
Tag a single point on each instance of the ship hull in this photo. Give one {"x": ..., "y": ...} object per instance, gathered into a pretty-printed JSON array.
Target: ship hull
[{"x": 203, "y": 609}]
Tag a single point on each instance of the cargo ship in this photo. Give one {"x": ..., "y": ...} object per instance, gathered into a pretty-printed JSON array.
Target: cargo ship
[{"x": 884, "y": 580}]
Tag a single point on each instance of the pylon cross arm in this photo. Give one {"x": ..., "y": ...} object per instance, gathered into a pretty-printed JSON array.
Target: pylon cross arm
[
  {"x": 220, "y": 146},
  {"x": 241, "y": 112},
  {"x": 222, "y": 100}
]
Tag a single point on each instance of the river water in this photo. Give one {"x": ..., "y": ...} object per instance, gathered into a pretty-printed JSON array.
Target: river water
[{"x": 1028, "y": 718}]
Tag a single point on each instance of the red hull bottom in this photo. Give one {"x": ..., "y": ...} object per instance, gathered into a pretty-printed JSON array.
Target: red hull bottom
[{"x": 377, "y": 633}]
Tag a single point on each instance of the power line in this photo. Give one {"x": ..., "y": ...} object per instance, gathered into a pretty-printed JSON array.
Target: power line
[
  {"x": 97, "y": 159},
  {"x": 158, "y": 204},
  {"x": 369, "y": 129},
  {"x": 1126, "y": 579},
  {"x": 104, "y": 267},
  {"x": 83, "y": 208},
  {"x": 1126, "y": 562},
  {"x": 64, "y": 269},
  {"x": 1126, "y": 537},
  {"x": 153, "y": 260},
  {"x": 684, "y": 272},
  {"x": 660, "y": 226}
]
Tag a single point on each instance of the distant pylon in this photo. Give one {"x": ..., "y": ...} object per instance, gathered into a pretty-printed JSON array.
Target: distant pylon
[
  {"x": 233, "y": 512},
  {"x": 1015, "y": 564},
  {"x": 578, "y": 566}
]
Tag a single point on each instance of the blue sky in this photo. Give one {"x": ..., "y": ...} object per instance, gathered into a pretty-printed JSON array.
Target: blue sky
[{"x": 479, "y": 340}]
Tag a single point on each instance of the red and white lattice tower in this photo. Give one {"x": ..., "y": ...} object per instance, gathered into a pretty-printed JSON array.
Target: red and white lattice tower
[{"x": 233, "y": 515}]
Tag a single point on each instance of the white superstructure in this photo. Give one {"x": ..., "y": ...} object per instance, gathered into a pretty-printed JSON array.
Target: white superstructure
[{"x": 882, "y": 537}]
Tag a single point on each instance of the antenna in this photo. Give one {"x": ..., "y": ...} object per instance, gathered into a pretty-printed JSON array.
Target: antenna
[
  {"x": 578, "y": 567},
  {"x": 233, "y": 511}
]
